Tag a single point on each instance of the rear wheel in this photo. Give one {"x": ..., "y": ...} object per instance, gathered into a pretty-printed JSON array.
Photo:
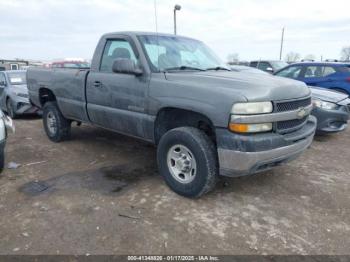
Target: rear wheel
[
  {"x": 10, "y": 110},
  {"x": 187, "y": 160},
  {"x": 57, "y": 127},
  {"x": 2, "y": 158}
]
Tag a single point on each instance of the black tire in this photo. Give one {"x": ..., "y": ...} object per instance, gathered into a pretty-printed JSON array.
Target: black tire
[
  {"x": 10, "y": 110},
  {"x": 59, "y": 128},
  {"x": 205, "y": 155},
  {"x": 2, "y": 158}
]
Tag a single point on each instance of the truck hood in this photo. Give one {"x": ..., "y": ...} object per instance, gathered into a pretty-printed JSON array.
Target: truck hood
[
  {"x": 254, "y": 87},
  {"x": 327, "y": 95}
]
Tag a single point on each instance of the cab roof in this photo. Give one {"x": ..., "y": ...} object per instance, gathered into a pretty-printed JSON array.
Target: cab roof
[{"x": 139, "y": 33}]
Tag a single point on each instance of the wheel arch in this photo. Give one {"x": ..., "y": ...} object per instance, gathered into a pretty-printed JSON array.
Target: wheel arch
[
  {"x": 46, "y": 95},
  {"x": 172, "y": 117}
]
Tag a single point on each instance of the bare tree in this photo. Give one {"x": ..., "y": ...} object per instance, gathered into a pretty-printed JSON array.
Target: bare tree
[
  {"x": 310, "y": 57},
  {"x": 292, "y": 57},
  {"x": 233, "y": 58},
  {"x": 345, "y": 53}
]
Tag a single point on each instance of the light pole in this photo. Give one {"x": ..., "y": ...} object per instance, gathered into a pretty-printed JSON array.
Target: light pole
[
  {"x": 282, "y": 43},
  {"x": 176, "y": 8}
]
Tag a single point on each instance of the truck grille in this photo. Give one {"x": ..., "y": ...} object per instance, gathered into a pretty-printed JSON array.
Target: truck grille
[
  {"x": 292, "y": 105},
  {"x": 290, "y": 125},
  {"x": 294, "y": 124}
]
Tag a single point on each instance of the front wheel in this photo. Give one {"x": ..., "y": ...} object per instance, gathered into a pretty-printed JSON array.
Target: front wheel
[
  {"x": 57, "y": 127},
  {"x": 187, "y": 160}
]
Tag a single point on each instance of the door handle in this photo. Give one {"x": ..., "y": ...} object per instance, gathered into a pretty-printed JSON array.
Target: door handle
[{"x": 97, "y": 84}]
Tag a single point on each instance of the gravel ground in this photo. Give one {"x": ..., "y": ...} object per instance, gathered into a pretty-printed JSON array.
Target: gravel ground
[{"x": 100, "y": 193}]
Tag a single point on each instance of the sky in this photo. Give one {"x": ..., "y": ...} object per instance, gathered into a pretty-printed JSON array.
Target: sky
[{"x": 50, "y": 29}]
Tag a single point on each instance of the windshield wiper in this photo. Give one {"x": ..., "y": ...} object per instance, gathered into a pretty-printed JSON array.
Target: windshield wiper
[
  {"x": 183, "y": 68},
  {"x": 218, "y": 68}
]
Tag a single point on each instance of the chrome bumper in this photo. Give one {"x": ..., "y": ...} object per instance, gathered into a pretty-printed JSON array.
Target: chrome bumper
[{"x": 236, "y": 163}]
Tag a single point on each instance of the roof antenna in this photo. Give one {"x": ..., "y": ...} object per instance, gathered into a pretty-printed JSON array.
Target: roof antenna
[
  {"x": 156, "y": 21},
  {"x": 155, "y": 15}
]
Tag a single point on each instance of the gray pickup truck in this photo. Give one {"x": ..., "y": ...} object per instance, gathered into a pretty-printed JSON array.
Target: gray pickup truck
[{"x": 175, "y": 93}]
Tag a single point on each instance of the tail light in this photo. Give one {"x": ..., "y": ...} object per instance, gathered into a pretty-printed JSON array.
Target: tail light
[{"x": 347, "y": 79}]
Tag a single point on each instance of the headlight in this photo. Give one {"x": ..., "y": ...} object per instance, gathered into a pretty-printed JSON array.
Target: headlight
[
  {"x": 323, "y": 104},
  {"x": 250, "y": 128},
  {"x": 252, "y": 108}
]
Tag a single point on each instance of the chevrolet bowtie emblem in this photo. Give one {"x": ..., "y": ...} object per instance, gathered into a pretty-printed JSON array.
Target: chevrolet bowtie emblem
[{"x": 301, "y": 112}]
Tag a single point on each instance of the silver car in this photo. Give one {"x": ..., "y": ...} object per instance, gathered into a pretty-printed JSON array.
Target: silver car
[{"x": 14, "y": 97}]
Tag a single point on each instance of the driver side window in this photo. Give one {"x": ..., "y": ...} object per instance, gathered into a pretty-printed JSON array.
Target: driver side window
[{"x": 114, "y": 49}]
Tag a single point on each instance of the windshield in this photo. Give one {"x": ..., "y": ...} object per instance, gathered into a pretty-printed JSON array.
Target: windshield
[
  {"x": 18, "y": 78},
  {"x": 291, "y": 72},
  {"x": 178, "y": 53},
  {"x": 278, "y": 65}
]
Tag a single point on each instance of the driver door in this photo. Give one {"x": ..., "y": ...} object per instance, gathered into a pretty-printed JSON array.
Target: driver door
[{"x": 117, "y": 101}]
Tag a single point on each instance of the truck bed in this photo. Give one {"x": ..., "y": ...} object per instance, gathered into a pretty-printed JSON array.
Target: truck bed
[{"x": 68, "y": 86}]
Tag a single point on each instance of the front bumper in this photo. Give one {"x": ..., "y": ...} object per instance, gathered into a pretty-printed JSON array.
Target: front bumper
[
  {"x": 330, "y": 121},
  {"x": 256, "y": 153},
  {"x": 21, "y": 107}
]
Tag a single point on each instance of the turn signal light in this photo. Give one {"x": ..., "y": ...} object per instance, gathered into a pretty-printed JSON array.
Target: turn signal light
[
  {"x": 250, "y": 128},
  {"x": 239, "y": 128}
]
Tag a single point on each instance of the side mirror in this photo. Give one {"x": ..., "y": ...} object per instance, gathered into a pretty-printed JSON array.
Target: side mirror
[
  {"x": 126, "y": 66},
  {"x": 2, "y": 84},
  {"x": 269, "y": 70}
]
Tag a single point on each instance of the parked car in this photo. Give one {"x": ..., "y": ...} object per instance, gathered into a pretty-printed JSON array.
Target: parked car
[
  {"x": 247, "y": 69},
  {"x": 14, "y": 98},
  {"x": 335, "y": 76},
  {"x": 330, "y": 108},
  {"x": 6, "y": 125},
  {"x": 174, "y": 92},
  {"x": 269, "y": 66}
]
